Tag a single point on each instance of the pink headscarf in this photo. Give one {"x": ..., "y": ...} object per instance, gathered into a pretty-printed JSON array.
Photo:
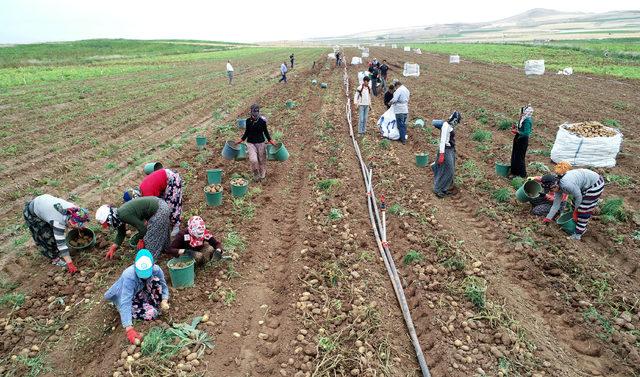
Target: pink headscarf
[{"x": 197, "y": 231}]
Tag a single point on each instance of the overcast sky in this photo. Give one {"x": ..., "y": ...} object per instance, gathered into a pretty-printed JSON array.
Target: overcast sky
[{"x": 25, "y": 21}]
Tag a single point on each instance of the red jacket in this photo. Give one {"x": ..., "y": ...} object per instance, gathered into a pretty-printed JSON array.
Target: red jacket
[{"x": 154, "y": 184}]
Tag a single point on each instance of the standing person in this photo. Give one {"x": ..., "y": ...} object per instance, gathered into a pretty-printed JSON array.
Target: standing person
[
  {"x": 384, "y": 68},
  {"x": 584, "y": 185},
  {"x": 141, "y": 292},
  {"x": 166, "y": 185},
  {"x": 521, "y": 135},
  {"x": 337, "y": 58},
  {"x": 362, "y": 99},
  {"x": 150, "y": 215},
  {"x": 388, "y": 95},
  {"x": 400, "y": 103},
  {"x": 195, "y": 240},
  {"x": 48, "y": 218},
  {"x": 375, "y": 74},
  {"x": 283, "y": 72},
  {"x": 292, "y": 59},
  {"x": 255, "y": 133},
  {"x": 445, "y": 165},
  {"x": 229, "y": 71}
]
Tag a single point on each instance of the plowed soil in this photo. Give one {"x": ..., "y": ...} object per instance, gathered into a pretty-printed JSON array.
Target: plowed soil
[{"x": 492, "y": 291}]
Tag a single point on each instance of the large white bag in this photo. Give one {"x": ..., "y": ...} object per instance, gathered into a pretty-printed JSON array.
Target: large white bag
[
  {"x": 331, "y": 56},
  {"x": 407, "y": 48},
  {"x": 534, "y": 67},
  {"x": 418, "y": 51},
  {"x": 454, "y": 59},
  {"x": 365, "y": 54},
  {"x": 361, "y": 76},
  {"x": 394, "y": 46},
  {"x": 356, "y": 60},
  {"x": 597, "y": 152},
  {"x": 411, "y": 69},
  {"x": 387, "y": 125}
]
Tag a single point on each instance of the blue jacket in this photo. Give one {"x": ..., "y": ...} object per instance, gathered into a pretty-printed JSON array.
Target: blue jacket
[{"x": 123, "y": 291}]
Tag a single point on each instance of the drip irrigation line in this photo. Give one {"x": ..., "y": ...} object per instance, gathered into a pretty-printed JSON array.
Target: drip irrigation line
[{"x": 379, "y": 230}]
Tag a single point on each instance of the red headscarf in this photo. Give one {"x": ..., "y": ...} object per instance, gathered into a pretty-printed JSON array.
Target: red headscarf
[{"x": 197, "y": 231}]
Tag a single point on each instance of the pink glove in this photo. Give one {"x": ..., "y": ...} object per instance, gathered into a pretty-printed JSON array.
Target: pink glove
[{"x": 71, "y": 268}]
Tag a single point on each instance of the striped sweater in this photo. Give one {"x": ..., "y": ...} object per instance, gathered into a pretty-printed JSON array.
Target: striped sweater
[{"x": 43, "y": 207}]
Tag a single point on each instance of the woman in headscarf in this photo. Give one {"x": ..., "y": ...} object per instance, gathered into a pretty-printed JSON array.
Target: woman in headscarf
[
  {"x": 584, "y": 185},
  {"x": 521, "y": 134},
  {"x": 141, "y": 292},
  {"x": 445, "y": 164},
  {"x": 48, "y": 218},
  {"x": 166, "y": 185},
  {"x": 150, "y": 215},
  {"x": 196, "y": 241},
  {"x": 255, "y": 134},
  {"x": 362, "y": 99}
]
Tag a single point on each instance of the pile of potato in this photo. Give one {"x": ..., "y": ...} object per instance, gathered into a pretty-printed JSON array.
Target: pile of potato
[
  {"x": 82, "y": 239},
  {"x": 213, "y": 188},
  {"x": 590, "y": 129},
  {"x": 238, "y": 182}
]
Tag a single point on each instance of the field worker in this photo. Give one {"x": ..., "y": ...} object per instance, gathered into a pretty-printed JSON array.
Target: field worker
[
  {"x": 375, "y": 74},
  {"x": 338, "y": 55},
  {"x": 292, "y": 59},
  {"x": 541, "y": 205},
  {"x": 283, "y": 72},
  {"x": 48, "y": 218},
  {"x": 521, "y": 134},
  {"x": 400, "y": 103},
  {"x": 255, "y": 133},
  {"x": 166, "y": 185},
  {"x": 229, "y": 71},
  {"x": 384, "y": 68},
  {"x": 445, "y": 164},
  {"x": 388, "y": 95},
  {"x": 196, "y": 241},
  {"x": 140, "y": 293},
  {"x": 150, "y": 215},
  {"x": 584, "y": 185},
  {"x": 362, "y": 99}
]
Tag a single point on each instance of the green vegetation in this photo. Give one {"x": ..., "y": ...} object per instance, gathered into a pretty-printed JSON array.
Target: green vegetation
[
  {"x": 234, "y": 242},
  {"x": 397, "y": 210},
  {"x": 613, "y": 210},
  {"x": 412, "y": 256},
  {"x": 12, "y": 300},
  {"x": 517, "y": 182},
  {"x": 584, "y": 56},
  {"x": 475, "y": 290},
  {"x": 505, "y": 124},
  {"x": 620, "y": 180},
  {"x": 481, "y": 136},
  {"x": 335, "y": 214},
  {"x": 328, "y": 184},
  {"x": 502, "y": 195}
]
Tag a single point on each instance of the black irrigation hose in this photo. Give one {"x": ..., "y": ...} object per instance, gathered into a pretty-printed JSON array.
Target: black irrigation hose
[{"x": 383, "y": 247}]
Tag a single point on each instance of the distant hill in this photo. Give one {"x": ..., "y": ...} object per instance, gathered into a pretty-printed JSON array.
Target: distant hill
[{"x": 533, "y": 24}]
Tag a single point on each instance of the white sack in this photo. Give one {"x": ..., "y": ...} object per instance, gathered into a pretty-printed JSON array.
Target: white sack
[
  {"x": 534, "y": 67},
  {"x": 356, "y": 60},
  {"x": 365, "y": 54},
  {"x": 387, "y": 125},
  {"x": 331, "y": 56},
  {"x": 407, "y": 48},
  {"x": 567, "y": 71},
  {"x": 454, "y": 59},
  {"x": 599, "y": 152},
  {"x": 418, "y": 51},
  {"x": 411, "y": 69},
  {"x": 394, "y": 46}
]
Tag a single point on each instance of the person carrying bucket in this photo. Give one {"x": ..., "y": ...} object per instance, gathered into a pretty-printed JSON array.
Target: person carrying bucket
[
  {"x": 400, "y": 103},
  {"x": 48, "y": 218},
  {"x": 141, "y": 293},
  {"x": 362, "y": 99},
  {"x": 584, "y": 185},
  {"x": 388, "y": 95},
  {"x": 229, "y": 71},
  {"x": 196, "y": 241},
  {"x": 166, "y": 185},
  {"x": 445, "y": 165},
  {"x": 150, "y": 215},
  {"x": 521, "y": 134},
  {"x": 255, "y": 133}
]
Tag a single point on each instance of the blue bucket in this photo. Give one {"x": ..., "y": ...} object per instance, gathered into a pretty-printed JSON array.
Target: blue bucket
[
  {"x": 230, "y": 150},
  {"x": 437, "y": 123},
  {"x": 242, "y": 123}
]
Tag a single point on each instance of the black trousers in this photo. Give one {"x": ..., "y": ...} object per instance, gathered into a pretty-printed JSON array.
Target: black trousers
[{"x": 518, "y": 153}]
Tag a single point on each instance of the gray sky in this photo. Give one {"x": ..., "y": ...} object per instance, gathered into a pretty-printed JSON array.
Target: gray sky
[{"x": 25, "y": 21}]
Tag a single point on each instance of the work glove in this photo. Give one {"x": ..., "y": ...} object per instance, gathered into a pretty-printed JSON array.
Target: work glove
[
  {"x": 575, "y": 215},
  {"x": 272, "y": 142},
  {"x": 112, "y": 251},
  {"x": 238, "y": 141},
  {"x": 140, "y": 245},
  {"x": 132, "y": 335},
  {"x": 71, "y": 268},
  {"x": 217, "y": 255},
  {"x": 441, "y": 159},
  {"x": 546, "y": 221},
  {"x": 513, "y": 131},
  {"x": 164, "y": 305}
]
